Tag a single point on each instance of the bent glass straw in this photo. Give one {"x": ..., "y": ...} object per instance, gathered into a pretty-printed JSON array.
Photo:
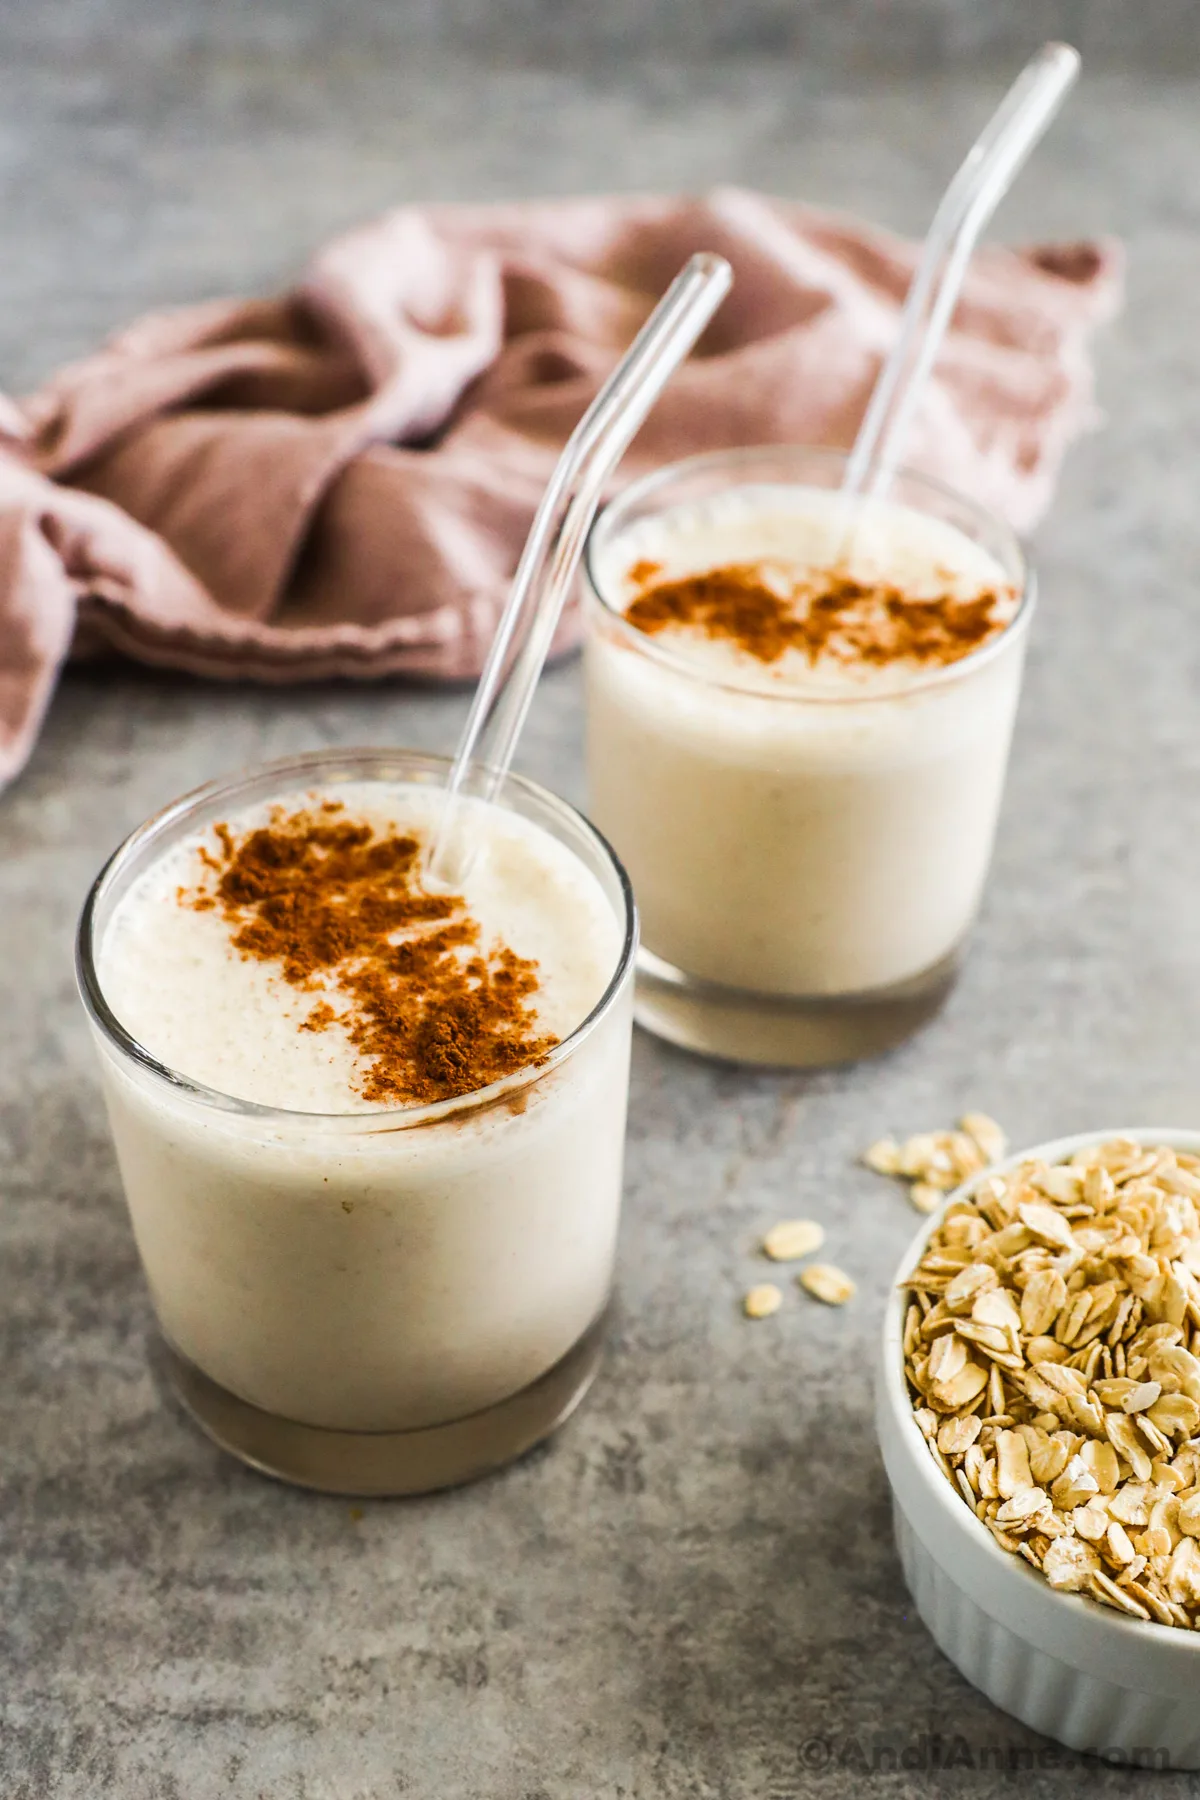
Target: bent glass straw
[
  {"x": 555, "y": 544},
  {"x": 968, "y": 204}
]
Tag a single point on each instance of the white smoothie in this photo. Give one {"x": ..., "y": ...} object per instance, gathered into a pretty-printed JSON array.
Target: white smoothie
[
  {"x": 809, "y": 823},
  {"x": 345, "y": 1266}
]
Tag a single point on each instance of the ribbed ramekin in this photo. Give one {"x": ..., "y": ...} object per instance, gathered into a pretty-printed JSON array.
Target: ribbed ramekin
[{"x": 1080, "y": 1672}]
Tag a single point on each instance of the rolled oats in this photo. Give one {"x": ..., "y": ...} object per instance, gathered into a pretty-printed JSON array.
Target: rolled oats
[
  {"x": 883, "y": 1157},
  {"x": 1026, "y": 1504},
  {"x": 1090, "y": 1522},
  {"x": 925, "y": 1197},
  {"x": 762, "y": 1301},
  {"x": 829, "y": 1284},
  {"x": 1075, "y": 1486},
  {"x": 1012, "y": 1464},
  {"x": 1052, "y": 1349},
  {"x": 793, "y": 1238},
  {"x": 1101, "y": 1587},
  {"x": 987, "y": 1134},
  {"x": 1188, "y": 1516},
  {"x": 1068, "y": 1563},
  {"x": 933, "y": 1162},
  {"x": 1117, "y": 1545},
  {"x": 958, "y": 1434}
]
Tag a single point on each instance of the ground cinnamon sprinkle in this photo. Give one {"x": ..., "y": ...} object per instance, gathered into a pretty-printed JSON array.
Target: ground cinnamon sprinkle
[
  {"x": 341, "y": 911},
  {"x": 830, "y": 615}
]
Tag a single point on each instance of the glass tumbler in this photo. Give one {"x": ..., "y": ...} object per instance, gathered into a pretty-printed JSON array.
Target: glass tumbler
[
  {"x": 385, "y": 1301},
  {"x": 807, "y": 867}
]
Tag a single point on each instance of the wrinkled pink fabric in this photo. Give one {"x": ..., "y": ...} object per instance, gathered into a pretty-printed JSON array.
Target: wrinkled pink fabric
[{"x": 339, "y": 481}]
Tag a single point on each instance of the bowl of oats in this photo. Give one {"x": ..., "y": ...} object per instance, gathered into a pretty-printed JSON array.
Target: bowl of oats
[{"x": 1038, "y": 1408}]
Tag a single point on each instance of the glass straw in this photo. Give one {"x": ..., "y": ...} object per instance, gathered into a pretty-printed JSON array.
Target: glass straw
[
  {"x": 968, "y": 204},
  {"x": 555, "y": 543}
]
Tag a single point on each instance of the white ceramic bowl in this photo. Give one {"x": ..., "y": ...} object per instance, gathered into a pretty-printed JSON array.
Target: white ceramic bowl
[{"x": 1071, "y": 1668}]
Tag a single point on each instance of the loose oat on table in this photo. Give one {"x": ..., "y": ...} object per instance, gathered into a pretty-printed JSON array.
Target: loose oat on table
[
  {"x": 989, "y": 1136},
  {"x": 793, "y": 1238},
  {"x": 933, "y": 1162},
  {"x": 827, "y": 1283},
  {"x": 925, "y": 1197},
  {"x": 762, "y": 1301},
  {"x": 883, "y": 1157},
  {"x": 1052, "y": 1353}
]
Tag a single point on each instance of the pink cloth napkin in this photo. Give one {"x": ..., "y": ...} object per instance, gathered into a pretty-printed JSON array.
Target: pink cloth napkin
[{"x": 339, "y": 481}]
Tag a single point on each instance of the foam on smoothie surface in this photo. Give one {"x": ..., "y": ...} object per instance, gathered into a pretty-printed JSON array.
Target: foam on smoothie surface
[
  {"x": 295, "y": 956},
  {"x": 762, "y": 578}
]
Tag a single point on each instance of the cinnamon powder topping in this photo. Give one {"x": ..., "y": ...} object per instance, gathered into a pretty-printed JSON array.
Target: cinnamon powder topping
[
  {"x": 341, "y": 911},
  {"x": 830, "y": 614}
]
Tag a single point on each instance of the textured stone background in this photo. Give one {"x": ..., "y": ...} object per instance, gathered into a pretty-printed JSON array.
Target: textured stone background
[
  {"x": 697, "y": 1577},
  {"x": 886, "y": 34}
]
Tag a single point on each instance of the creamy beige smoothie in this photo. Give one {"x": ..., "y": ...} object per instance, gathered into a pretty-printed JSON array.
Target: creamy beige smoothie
[
  {"x": 797, "y": 738},
  {"x": 337, "y": 1225}
]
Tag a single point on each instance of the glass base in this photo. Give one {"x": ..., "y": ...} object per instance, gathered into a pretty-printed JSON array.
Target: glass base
[
  {"x": 378, "y": 1463},
  {"x": 785, "y": 1030}
]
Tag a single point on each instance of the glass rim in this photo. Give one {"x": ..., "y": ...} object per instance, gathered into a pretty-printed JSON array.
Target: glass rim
[
  {"x": 374, "y": 1119},
  {"x": 610, "y": 518}
]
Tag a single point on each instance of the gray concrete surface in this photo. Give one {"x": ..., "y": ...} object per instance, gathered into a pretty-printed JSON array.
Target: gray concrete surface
[
  {"x": 882, "y": 34},
  {"x": 695, "y": 1583}
]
